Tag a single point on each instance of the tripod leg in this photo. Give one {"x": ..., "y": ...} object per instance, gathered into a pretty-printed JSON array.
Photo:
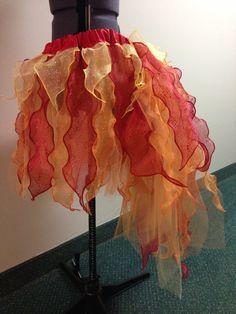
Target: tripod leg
[
  {"x": 76, "y": 264},
  {"x": 89, "y": 304},
  {"x": 110, "y": 291},
  {"x": 72, "y": 268},
  {"x": 79, "y": 307},
  {"x": 96, "y": 305}
]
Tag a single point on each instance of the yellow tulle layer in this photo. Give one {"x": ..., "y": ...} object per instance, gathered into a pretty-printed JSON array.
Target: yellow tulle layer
[{"x": 116, "y": 116}]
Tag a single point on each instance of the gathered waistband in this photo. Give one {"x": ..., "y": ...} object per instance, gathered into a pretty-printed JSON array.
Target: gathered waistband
[{"x": 85, "y": 39}]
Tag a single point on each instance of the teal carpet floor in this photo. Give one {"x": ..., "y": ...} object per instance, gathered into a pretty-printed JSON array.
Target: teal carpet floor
[{"x": 210, "y": 288}]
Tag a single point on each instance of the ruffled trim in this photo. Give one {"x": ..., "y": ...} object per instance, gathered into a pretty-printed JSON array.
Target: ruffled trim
[{"x": 99, "y": 110}]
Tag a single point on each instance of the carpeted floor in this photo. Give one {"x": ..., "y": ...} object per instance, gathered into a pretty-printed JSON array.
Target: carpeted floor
[{"x": 210, "y": 288}]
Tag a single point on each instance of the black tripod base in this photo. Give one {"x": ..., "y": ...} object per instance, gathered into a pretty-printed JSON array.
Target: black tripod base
[
  {"x": 94, "y": 295},
  {"x": 89, "y": 304}
]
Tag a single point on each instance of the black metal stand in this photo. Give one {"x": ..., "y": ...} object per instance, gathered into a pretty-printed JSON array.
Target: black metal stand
[{"x": 94, "y": 295}]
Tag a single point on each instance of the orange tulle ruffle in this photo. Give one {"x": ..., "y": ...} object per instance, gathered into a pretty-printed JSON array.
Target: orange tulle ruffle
[{"x": 100, "y": 110}]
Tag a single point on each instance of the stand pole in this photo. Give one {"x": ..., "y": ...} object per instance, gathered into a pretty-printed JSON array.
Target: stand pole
[
  {"x": 92, "y": 241},
  {"x": 93, "y": 293},
  {"x": 92, "y": 203}
]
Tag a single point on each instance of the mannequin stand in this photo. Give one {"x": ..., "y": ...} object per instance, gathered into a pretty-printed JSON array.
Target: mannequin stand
[{"x": 94, "y": 295}]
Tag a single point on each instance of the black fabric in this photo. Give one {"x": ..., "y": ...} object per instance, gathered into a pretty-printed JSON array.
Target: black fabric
[{"x": 68, "y": 16}]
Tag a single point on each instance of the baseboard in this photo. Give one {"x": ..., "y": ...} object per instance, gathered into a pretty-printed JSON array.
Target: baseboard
[{"x": 12, "y": 279}]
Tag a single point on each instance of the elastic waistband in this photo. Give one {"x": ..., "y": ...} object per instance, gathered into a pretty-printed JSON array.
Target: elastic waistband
[{"x": 85, "y": 40}]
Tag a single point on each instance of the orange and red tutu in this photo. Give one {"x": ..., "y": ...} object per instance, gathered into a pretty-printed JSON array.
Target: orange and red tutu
[{"x": 100, "y": 110}]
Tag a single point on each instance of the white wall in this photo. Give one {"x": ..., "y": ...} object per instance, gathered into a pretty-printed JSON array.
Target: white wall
[
  {"x": 199, "y": 36},
  {"x": 200, "y": 39},
  {"x": 28, "y": 228}
]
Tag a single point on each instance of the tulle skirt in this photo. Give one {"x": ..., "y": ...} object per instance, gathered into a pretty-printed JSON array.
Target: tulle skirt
[{"x": 99, "y": 110}]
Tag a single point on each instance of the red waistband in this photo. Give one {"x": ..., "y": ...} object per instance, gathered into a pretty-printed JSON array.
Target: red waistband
[{"x": 85, "y": 40}]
